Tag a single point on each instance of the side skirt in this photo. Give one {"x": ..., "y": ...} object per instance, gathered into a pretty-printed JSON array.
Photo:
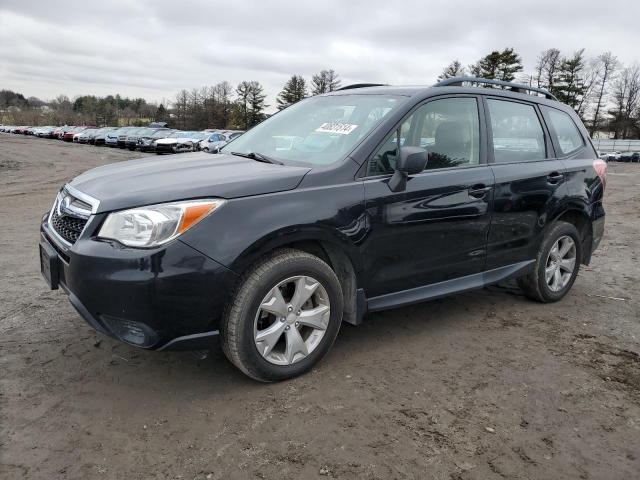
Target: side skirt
[{"x": 448, "y": 287}]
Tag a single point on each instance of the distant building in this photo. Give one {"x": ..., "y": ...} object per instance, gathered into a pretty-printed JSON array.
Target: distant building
[{"x": 602, "y": 135}]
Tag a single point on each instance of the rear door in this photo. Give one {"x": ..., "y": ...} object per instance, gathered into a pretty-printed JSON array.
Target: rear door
[
  {"x": 585, "y": 184},
  {"x": 436, "y": 229},
  {"x": 530, "y": 180}
]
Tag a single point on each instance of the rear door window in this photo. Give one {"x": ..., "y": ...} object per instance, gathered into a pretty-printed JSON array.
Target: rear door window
[
  {"x": 517, "y": 133},
  {"x": 567, "y": 135}
]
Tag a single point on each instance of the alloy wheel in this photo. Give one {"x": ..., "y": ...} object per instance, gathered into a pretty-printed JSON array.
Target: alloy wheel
[
  {"x": 291, "y": 320},
  {"x": 561, "y": 263}
]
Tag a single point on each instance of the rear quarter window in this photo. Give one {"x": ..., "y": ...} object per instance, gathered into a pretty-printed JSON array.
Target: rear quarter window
[{"x": 567, "y": 136}]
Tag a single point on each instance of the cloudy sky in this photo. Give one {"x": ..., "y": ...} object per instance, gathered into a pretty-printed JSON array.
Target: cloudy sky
[{"x": 155, "y": 48}]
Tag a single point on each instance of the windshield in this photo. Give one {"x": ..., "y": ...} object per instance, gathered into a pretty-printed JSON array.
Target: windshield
[
  {"x": 317, "y": 131},
  {"x": 161, "y": 134}
]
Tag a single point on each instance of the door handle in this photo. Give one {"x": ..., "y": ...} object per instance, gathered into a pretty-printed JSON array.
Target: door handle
[
  {"x": 479, "y": 191},
  {"x": 555, "y": 177}
]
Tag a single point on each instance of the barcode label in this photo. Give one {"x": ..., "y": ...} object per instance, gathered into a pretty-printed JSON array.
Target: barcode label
[{"x": 341, "y": 128}]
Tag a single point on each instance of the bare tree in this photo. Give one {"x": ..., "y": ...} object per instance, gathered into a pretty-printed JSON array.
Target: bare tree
[
  {"x": 325, "y": 81},
  {"x": 223, "y": 92},
  {"x": 181, "y": 106},
  {"x": 589, "y": 82},
  {"x": 548, "y": 68},
  {"x": 626, "y": 98},
  {"x": 605, "y": 66}
]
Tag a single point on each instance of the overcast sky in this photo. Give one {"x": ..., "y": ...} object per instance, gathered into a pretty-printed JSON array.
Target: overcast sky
[{"x": 155, "y": 48}]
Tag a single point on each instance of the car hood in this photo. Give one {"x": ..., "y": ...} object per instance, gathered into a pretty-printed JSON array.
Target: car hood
[{"x": 196, "y": 175}]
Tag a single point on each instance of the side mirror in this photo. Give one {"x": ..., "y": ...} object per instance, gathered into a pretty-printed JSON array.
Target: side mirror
[{"x": 412, "y": 160}]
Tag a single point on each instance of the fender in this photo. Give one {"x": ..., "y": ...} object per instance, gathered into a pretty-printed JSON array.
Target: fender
[
  {"x": 248, "y": 227},
  {"x": 299, "y": 234},
  {"x": 578, "y": 212},
  {"x": 570, "y": 204}
]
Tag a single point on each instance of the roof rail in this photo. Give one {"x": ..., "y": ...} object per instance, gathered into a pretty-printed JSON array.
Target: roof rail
[
  {"x": 361, "y": 85},
  {"x": 514, "y": 87}
]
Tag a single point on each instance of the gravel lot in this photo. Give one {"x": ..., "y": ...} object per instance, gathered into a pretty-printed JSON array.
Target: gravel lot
[{"x": 484, "y": 385}]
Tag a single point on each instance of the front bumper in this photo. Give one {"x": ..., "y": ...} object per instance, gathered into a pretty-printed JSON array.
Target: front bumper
[
  {"x": 169, "y": 298},
  {"x": 165, "y": 148}
]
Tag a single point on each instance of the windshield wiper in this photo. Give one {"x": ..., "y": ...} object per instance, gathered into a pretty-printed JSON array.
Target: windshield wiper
[{"x": 258, "y": 157}]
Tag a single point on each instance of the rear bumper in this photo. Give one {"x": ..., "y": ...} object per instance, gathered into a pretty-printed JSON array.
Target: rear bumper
[
  {"x": 169, "y": 298},
  {"x": 598, "y": 229}
]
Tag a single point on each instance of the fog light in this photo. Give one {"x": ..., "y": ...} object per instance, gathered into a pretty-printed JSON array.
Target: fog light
[{"x": 129, "y": 331}]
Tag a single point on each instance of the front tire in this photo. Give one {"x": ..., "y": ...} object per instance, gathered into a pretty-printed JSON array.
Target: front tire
[
  {"x": 556, "y": 266},
  {"x": 284, "y": 316}
]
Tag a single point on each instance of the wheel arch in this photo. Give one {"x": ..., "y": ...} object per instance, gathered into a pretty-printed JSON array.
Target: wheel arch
[
  {"x": 332, "y": 247},
  {"x": 579, "y": 216}
]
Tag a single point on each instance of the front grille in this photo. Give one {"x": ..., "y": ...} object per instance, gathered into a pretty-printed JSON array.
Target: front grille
[
  {"x": 67, "y": 227},
  {"x": 69, "y": 216}
]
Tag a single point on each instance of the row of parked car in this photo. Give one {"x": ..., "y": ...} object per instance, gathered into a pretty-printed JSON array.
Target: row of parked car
[
  {"x": 157, "y": 139},
  {"x": 620, "y": 156}
]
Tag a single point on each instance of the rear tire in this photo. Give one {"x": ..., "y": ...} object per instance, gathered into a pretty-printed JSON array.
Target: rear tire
[
  {"x": 555, "y": 270},
  {"x": 250, "y": 316}
]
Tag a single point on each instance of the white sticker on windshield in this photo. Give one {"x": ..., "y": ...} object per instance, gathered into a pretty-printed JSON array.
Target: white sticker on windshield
[{"x": 341, "y": 128}]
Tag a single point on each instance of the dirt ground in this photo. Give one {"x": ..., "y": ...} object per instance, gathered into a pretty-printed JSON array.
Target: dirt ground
[{"x": 484, "y": 385}]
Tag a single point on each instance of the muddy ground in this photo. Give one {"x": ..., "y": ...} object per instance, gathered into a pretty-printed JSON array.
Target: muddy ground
[{"x": 484, "y": 385}]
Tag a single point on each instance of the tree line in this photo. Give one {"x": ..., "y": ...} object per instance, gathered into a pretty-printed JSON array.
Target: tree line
[
  {"x": 604, "y": 92},
  {"x": 223, "y": 106}
]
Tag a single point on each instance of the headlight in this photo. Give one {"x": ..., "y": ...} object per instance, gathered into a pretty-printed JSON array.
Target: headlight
[{"x": 155, "y": 225}]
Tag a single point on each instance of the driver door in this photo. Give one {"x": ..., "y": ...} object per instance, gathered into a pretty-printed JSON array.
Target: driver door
[{"x": 436, "y": 229}]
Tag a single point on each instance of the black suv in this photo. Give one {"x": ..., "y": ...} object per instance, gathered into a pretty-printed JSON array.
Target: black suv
[{"x": 363, "y": 199}]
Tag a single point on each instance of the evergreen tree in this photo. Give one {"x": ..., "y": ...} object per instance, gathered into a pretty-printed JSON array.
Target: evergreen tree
[
  {"x": 498, "y": 65},
  {"x": 454, "y": 69},
  {"x": 161, "y": 114},
  {"x": 249, "y": 104},
  {"x": 510, "y": 64},
  {"x": 325, "y": 81},
  {"x": 570, "y": 86},
  {"x": 242, "y": 105},
  {"x": 294, "y": 90},
  {"x": 256, "y": 104},
  {"x": 489, "y": 65},
  {"x": 475, "y": 70}
]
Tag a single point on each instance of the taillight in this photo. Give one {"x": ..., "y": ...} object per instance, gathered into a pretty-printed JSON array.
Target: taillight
[{"x": 600, "y": 166}]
